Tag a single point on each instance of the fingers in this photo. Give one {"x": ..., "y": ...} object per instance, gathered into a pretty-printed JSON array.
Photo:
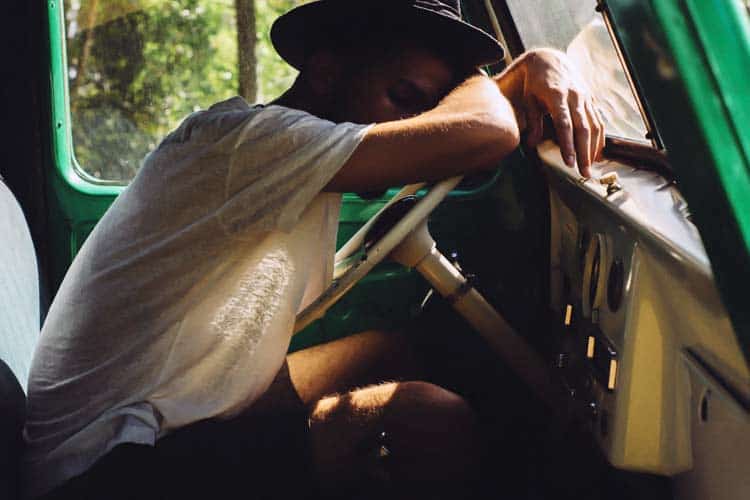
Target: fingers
[
  {"x": 579, "y": 129},
  {"x": 552, "y": 85},
  {"x": 582, "y": 132},
  {"x": 563, "y": 124},
  {"x": 534, "y": 123}
]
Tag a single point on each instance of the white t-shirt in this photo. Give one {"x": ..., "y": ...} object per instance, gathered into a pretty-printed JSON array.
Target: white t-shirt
[{"x": 180, "y": 305}]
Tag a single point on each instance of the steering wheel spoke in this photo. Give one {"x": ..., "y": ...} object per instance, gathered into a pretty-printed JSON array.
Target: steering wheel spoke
[
  {"x": 348, "y": 270},
  {"x": 357, "y": 241}
]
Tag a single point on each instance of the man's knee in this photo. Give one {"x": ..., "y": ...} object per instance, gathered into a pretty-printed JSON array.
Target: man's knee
[
  {"x": 420, "y": 401},
  {"x": 432, "y": 433},
  {"x": 403, "y": 433}
]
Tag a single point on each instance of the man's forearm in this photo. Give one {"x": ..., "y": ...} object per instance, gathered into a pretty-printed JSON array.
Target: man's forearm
[{"x": 472, "y": 128}]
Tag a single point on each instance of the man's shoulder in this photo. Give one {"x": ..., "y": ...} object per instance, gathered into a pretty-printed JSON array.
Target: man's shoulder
[
  {"x": 233, "y": 104},
  {"x": 210, "y": 124}
]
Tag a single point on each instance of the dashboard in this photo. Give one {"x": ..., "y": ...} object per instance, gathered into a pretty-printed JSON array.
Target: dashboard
[{"x": 640, "y": 340}]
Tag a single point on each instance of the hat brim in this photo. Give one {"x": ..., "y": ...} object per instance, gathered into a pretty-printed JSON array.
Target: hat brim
[{"x": 303, "y": 29}]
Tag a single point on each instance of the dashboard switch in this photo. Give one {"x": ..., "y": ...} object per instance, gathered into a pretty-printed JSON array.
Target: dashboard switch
[
  {"x": 612, "y": 182},
  {"x": 568, "y": 315},
  {"x": 591, "y": 345},
  {"x": 603, "y": 359},
  {"x": 609, "y": 179},
  {"x": 612, "y": 376}
]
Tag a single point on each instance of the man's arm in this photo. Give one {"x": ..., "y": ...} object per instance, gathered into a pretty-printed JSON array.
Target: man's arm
[
  {"x": 476, "y": 125},
  {"x": 472, "y": 128}
]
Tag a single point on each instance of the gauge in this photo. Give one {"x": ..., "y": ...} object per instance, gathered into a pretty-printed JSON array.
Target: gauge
[
  {"x": 583, "y": 243},
  {"x": 615, "y": 283},
  {"x": 593, "y": 276}
]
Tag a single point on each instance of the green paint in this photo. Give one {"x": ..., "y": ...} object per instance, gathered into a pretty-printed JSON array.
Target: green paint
[
  {"x": 62, "y": 138},
  {"x": 714, "y": 68},
  {"x": 690, "y": 60}
]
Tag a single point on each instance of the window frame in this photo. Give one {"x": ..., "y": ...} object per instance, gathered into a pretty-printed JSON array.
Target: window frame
[
  {"x": 63, "y": 150},
  {"x": 66, "y": 164}
]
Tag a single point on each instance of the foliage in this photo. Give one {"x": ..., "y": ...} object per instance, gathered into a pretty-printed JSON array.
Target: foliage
[
  {"x": 274, "y": 75},
  {"x": 138, "y": 67}
]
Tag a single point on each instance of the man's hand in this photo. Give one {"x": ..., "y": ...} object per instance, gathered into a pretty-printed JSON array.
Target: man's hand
[{"x": 543, "y": 82}]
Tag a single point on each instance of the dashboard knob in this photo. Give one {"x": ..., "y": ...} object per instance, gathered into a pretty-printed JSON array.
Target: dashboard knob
[
  {"x": 609, "y": 179},
  {"x": 612, "y": 182}
]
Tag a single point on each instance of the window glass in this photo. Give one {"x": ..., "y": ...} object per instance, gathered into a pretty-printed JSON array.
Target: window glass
[
  {"x": 136, "y": 68},
  {"x": 575, "y": 27}
]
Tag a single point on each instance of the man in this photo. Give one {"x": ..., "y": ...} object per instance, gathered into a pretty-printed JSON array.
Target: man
[{"x": 162, "y": 371}]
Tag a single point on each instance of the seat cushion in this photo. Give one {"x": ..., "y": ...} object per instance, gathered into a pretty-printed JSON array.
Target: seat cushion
[{"x": 12, "y": 412}]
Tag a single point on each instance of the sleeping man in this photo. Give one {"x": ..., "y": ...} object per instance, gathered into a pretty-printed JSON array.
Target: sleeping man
[{"x": 162, "y": 369}]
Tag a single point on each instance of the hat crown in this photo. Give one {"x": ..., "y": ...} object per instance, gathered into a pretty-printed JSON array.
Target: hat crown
[{"x": 344, "y": 22}]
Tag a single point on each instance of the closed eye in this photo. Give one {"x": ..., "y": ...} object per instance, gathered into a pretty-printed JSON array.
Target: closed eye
[{"x": 407, "y": 96}]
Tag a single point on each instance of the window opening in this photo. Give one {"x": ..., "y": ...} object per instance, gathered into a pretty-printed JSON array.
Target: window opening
[
  {"x": 575, "y": 27},
  {"x": 136, "y": 68}
]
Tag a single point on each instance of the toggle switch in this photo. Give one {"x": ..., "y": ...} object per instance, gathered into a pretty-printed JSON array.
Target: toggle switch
[
  {"x": 612, "y": 182},
  {"x": 568, "y": 315},
  {"x": 612, "y": 377},
  {"x": 602, "y": 356}
]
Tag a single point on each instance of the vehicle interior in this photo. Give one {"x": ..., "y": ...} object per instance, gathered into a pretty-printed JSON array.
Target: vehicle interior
[{"x": 599, "y": 327}]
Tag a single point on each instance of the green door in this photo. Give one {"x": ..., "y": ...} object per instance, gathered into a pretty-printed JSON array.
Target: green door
[{"x": 691, "y": 58}]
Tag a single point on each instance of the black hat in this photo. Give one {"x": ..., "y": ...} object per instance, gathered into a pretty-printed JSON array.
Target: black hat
[{"x": 312, "y": 25}]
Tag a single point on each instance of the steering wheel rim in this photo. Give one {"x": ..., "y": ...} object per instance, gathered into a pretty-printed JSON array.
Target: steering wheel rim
[{"x": 357, "y": 269}]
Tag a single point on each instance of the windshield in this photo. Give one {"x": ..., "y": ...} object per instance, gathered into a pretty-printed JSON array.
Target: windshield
[{"x": 575, "y": 27}]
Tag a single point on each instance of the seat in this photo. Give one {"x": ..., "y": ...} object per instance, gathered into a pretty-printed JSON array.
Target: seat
[
  {"x": 19, "y": 330},
  {"x": 12, "y": 412}
]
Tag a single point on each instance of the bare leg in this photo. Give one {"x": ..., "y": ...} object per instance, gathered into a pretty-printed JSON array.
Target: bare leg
[
  {"x": 363, "y": 359},
  {"x": 429, "y": 433},
  {"x": 407, "y": 439}
]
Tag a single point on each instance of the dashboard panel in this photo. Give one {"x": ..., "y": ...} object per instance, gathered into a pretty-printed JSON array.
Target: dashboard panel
[{"x": 636, "y": 313}]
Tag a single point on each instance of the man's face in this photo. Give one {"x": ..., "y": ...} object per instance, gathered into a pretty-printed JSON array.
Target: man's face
[{"x": 391, "y": 88}]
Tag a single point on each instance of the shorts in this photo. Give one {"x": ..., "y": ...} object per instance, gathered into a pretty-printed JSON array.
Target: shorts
[{"x": 250, "y": 456}]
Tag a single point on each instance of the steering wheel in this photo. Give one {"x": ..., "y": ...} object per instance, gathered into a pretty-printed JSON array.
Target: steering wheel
[
  {"x": 355, "y": 259},
  {"x": 409, "y": 242}
]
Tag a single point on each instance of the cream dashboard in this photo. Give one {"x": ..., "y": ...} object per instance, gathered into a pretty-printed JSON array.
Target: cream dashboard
[{"x": 642, "y": 342}]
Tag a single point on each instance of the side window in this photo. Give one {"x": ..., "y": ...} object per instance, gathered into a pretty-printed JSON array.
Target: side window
[
  {"x": 575, "y": 27},
  {"x": 137, "y": 67}
]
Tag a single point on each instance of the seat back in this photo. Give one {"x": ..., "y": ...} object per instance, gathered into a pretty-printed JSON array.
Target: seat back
[
  {"x": 12, "y": 413},
  {"x": 19, "y": 288},
  {"x": 19, "y": 330}
]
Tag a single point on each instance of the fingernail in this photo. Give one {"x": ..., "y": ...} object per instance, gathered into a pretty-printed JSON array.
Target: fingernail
[{"x": 570, "y": 160}]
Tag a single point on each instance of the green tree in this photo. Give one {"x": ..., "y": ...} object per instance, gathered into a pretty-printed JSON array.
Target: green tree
[
  {"x": 274, "y": 74},
  {"x": 138, "y": 67},
  {"x": 246, "y": 42}
]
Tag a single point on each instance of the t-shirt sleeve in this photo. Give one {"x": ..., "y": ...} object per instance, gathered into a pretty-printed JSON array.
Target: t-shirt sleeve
[{"x": 279, "y": 160}]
